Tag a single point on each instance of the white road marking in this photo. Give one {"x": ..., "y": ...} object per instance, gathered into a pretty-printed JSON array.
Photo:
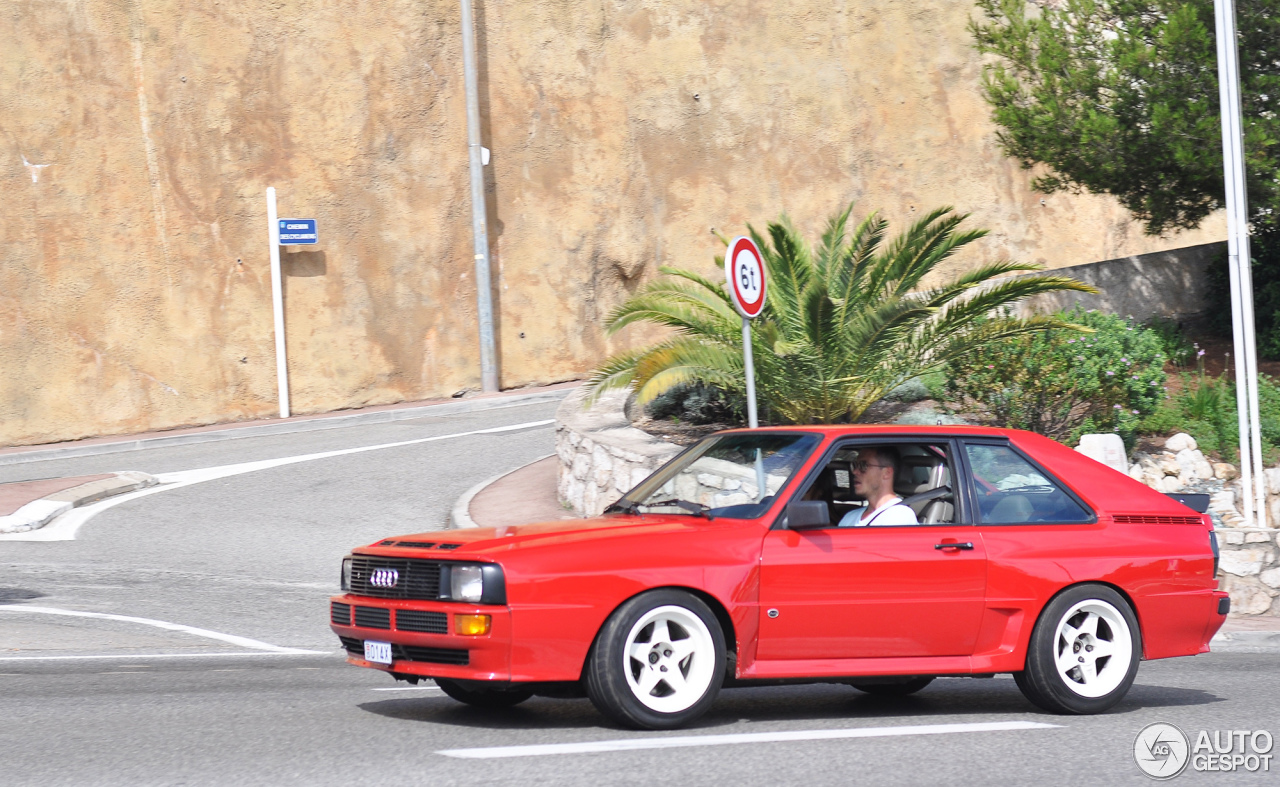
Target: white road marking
[
  {"x": 96, "y": 656},
  {"x": 64, "y": 527},
  {"x": 685, "y": 741},
  {"x": 230, "y": 639},
  {"x": 411, "y": 688}
]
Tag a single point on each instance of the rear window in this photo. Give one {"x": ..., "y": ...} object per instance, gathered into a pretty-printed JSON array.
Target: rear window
[{"x": 1011, "y": 490}]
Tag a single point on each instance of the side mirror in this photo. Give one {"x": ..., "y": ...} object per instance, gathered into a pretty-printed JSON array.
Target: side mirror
[{"x": 808, "y": 515}]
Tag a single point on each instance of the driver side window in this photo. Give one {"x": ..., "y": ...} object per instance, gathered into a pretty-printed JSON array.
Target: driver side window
[{"x": 922, "y": 479}]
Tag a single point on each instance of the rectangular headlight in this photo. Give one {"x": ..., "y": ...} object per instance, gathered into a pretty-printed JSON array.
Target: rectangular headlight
[
  {"x": 345, "y": 581},
  {"x": 466, "y": 584}
]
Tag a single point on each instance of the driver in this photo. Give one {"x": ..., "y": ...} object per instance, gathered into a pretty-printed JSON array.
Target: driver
[{"x": 873, "y": 475}]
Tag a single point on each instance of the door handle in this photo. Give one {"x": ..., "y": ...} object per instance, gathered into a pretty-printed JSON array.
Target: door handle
[{"x": 954, "y": 545}]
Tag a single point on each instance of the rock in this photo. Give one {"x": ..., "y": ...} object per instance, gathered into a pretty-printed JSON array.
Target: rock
[
  {"x": 1235, "y": 539},
  {"x": 1242, "y": 562},
  {"x": 1169, "y": 464},
  {"x": 1179, "y": 442},
  {"x": 1224, "y": 471},
  {"x": 1257, "y": 538},
  {"x": 1248, "y": 598},
  {"x": 1170, "y": 483},
  {"x": 1135, "y": 472},
  {"x": 1105, "y": 448},
  {"x": 1273, "y": 480},
  {"x": 1271, "y": 578}
]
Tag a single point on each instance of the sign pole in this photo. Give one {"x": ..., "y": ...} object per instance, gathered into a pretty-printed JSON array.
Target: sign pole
[
  {"x": 277, "y": 303},
  {"x": 750, "y": 368},
  {"x": 744, "y": 273}
]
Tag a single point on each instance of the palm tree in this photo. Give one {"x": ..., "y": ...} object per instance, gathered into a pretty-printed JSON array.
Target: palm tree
[{"x": 843, "y": 325}]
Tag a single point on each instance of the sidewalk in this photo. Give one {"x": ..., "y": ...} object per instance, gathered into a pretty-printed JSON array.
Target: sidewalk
[
  {"x": 528, "y": 495},
  {"x": 29, "y": 505}
]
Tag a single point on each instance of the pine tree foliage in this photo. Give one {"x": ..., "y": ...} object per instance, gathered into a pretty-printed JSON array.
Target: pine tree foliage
[
  {"x": 844, "y": 323},
  {"x": 1120, "y": 97}
]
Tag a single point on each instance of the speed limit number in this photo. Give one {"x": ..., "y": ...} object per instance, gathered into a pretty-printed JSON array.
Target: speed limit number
[{"x": 744, "y": 273}]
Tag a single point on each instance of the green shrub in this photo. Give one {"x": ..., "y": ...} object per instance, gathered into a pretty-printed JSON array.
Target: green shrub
[
  {"x": 1063, "y": 383},
  {"x": 1205, "y": 408},
  {"x": 1177, "y": 347},
  {"x": 697, "y": 403}
]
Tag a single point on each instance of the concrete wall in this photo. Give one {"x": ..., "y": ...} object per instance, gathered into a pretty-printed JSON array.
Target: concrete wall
[
  {"x": 1164, "y": 283},
  {"x": 139, "y": 136}
]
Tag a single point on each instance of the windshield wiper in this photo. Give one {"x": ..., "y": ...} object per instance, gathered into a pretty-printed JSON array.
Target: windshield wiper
[
  {"x": 624, "y": 506},
  {"x": 697, "y": 509}
]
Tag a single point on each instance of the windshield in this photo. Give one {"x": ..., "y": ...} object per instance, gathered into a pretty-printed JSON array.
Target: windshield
[{"x": 735, "y": 475}]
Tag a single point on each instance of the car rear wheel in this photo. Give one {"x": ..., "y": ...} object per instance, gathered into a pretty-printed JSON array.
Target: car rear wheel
[
  {"x": 658, "y": 662},
  {"x": 1084, "y": 652},
  {"x": 482, "y": 697},
  {"x": 896, "y": 688}
]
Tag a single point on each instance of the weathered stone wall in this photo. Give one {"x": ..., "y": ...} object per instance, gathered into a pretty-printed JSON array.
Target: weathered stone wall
[
  {"x": 601, "y": 454},
  {"x": 139, "y": 138}
]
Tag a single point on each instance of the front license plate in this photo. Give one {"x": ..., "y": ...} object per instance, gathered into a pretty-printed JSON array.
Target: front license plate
[{"x": 378, "y": 652}]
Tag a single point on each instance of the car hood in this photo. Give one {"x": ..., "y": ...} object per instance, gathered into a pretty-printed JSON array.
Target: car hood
[{"x": 494, "y": 541}]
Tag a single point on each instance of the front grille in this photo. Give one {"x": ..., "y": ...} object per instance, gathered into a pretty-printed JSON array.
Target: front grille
[
  {"x": 1155, "y": 519},
  {"x": 340, "y": 613},
  {"x": 373, "y": 617},
  {"x": 426, "y": 622},
  {"x": 412, "y": 653},
  {"x": 417, "y": 579},
  {"x": 433, "y": 655}
]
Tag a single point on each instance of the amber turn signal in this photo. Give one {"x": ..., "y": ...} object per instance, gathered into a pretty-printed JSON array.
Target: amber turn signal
[{"x": 471, "y": 625}]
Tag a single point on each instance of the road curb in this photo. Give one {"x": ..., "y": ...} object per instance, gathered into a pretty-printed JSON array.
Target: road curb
[
  {"x": 460, "y": 516},
  {"x": 40, "y": 512},
  {"x": 308, "y": 424},
  {"x": 1246, "y": 642}
]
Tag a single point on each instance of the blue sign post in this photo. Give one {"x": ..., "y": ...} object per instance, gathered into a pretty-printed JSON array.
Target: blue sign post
[{"x": 294, "y": 232}]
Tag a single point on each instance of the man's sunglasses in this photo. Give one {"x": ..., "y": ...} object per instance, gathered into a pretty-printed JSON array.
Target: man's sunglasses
[{"x": 861, "y": 465}]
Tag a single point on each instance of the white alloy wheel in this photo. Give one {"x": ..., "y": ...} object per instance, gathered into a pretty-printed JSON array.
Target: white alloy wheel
[
  {"x": 669, "y": 659},
  {"x": 1093, "y": 648}
]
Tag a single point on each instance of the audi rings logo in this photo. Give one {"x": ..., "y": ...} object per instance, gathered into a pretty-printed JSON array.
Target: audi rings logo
[
  {"x": 1161, "y": 750},
  {"x": 384, "y": 577}
]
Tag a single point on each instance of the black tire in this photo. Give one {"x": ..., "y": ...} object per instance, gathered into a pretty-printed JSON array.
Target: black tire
[
  {"x": 482, "y": 697},
  {"x": 1100, "y": 681},
  {"x": 616, "y": 681},
  {"x": 900, "y": 688}
]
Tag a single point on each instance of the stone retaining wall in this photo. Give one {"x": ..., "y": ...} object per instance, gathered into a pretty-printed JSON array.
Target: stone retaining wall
[{"x": 601, "y": 454}]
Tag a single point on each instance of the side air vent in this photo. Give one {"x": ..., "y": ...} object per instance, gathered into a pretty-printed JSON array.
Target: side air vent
[
  {"x": 1154, "y": 519},
  {"x": 416, "y": 544}
]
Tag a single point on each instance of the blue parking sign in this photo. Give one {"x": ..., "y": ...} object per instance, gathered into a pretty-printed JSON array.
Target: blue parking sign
[{"x": 298, "y": 231}]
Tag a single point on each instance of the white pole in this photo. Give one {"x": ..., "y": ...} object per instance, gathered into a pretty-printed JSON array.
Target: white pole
[
  {"x": 479, "y": 221},
  {"x": 277, "y": 303},
  {"x": 1252, "y": 481},
  {"x": 750, "y": 369}
]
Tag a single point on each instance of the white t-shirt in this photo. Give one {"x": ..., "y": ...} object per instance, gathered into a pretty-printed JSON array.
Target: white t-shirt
[{"x": 891, "y": 513}]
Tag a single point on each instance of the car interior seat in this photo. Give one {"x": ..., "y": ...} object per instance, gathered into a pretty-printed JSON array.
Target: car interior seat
[{"x": 1011, "y": 509}]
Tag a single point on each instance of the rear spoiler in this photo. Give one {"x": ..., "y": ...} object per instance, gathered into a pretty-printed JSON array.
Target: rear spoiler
[{"x": 1196, "y": 502}]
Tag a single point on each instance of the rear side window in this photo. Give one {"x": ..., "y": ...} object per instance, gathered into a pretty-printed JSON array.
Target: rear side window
[{"x": 1010, "y": 490}]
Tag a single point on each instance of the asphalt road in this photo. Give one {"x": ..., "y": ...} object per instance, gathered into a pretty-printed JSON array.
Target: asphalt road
[{"x": 105, "y": 701}]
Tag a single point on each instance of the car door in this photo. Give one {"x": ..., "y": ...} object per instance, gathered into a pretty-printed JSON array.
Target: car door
[{"x": 872, "y": 592}]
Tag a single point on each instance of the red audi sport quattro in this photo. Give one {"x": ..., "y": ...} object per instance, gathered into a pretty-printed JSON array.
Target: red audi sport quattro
[{"x": 755, "y": 557}]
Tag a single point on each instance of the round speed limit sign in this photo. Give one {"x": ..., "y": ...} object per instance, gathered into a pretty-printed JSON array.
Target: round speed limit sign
[{"x": 744, "y": 273}]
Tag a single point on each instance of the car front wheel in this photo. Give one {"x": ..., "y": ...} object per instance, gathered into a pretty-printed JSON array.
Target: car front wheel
[
  {"x": 1084, "y": 652},
  {"x": 658, "y": 662}
]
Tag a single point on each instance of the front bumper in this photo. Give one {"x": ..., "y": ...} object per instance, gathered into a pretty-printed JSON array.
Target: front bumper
[{"x": 422, "y": 636}]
